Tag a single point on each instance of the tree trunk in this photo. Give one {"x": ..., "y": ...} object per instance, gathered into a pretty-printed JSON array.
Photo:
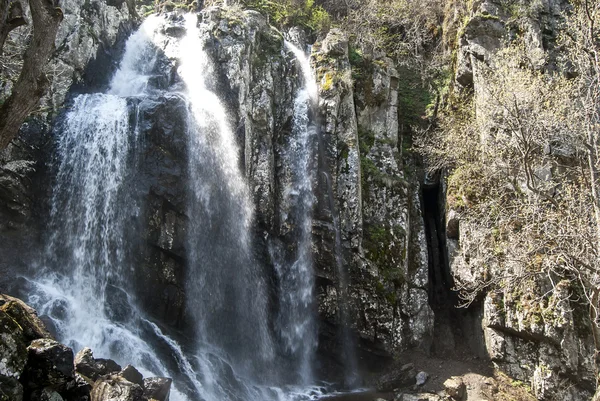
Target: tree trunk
[{"x": 32, "y": 82}]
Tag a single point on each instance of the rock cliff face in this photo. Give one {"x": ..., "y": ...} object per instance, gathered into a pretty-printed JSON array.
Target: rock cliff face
[
  {"x": 380, "y": 212},
  {"x": 382, "y": 235},
  {"x": 370, "y": 241},
  {"x": 540, "y": 339}
]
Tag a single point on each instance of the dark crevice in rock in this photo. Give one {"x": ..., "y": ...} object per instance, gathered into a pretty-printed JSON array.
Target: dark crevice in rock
[{"x": 457, "y": 332}]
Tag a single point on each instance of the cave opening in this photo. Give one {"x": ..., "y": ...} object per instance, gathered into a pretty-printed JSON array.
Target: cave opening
[{"x": 457, "y": 331}]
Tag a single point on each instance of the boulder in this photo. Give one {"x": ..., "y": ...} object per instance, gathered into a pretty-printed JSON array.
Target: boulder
[
  {"x": 50, "y": 364},
  {"x": 116, "y": 388},
  {"x": 10, "y": 389},
  {"x": 455, "y": 388},
  {"x": 88, "y": 366},
  {"x": 33, "y": 328},
  {"x": 418, "y": 397},
  {"x": 13, "y": 350},
  {"x": 45, "y": 394},
  {"x": 399, "y": 378},
  {"x": 80, "y": 388},
  {"x": 421, "y": 378},
  {"x": 132, "y": 374},
  {"x": 157, "y": 388}
]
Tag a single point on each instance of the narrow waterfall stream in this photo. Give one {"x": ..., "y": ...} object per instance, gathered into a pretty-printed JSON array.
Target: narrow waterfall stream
[
  {"x": 306, "y": 141},
  {"x": 297, "y": 318},
  {"x": 231, "y": 313}
]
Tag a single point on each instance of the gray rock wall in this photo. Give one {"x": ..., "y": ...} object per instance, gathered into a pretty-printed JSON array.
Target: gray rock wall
[
  {"x": 378, "y": 205},
  {"x": 539, "y": 339}
]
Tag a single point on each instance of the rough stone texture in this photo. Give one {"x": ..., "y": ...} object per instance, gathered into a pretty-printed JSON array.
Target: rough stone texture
[
  {"x": 131, "y": 374},
  {"x": 13, "y": 348},
  {"x": 157, "y": 388},
  {"x": 116, "y": 388},
  {"x": 10, "y": 389},
  {"x": 92, "y": 368},
  {"x": 45, "y": 394},
  {"x": 534, "y": 330},
  {"x": 403, "y": 377},
  {"x": 160, "y": 186},
  {"x": 455, "y": 388},
  {"x": 255, "y": 80},
  {"x": 381, "y": 225},
  {"x": 418, "y": 397},
  {"x": 50, "y": 364},
  {"x": 33, "y": 328}
]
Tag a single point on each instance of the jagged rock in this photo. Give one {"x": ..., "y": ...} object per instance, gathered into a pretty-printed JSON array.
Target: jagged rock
[
  {"x": 33, "y": 328},
  {"x": 10, "y": 389},
  {"x": 45, "y": 394},
  {"x": 116, "y": 388},
  {"x": 13, "y": 349},
  {"x": 157, "y": 388},
  {"x": 50, "y": 364},
  {"x": 455, "y": 388},
  {"x": 87, "y": 365},
  {"x": 403, "y": 377},
  {"x": 132, "y": 374},
  {"x": 452, "y": 225},
  {"x": 80, "y": 388}
]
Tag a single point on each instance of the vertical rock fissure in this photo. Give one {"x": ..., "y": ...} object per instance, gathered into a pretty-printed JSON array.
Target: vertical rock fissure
[
  {"x": 442, "y": 299},
  {"x": 457, "y": 331}
]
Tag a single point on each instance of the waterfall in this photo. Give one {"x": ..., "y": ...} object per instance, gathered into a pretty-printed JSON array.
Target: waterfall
[
  {"x": 297, "y": 316},
  {"x": 83, "y": 282},
  {"x": 225, "y": 286},
  {"x": 307, "y": 98}
]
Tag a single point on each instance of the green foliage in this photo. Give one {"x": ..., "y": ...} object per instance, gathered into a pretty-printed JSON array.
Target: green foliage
[
  {"x": 147, "y": 7},
  {"x": 465, "y": 188},
  {"x": 288, "y": 13},
  {"x": 399, "y": 28},
  {"x": 414, "y": 100}
]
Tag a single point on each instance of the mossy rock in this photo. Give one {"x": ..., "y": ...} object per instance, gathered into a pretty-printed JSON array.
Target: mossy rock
[
  {"x": 385, "y": 247},
  {"x": 10, "y": 389},
  {"x": 33, "y": 328},
  {"x": 13, "y": 349}
]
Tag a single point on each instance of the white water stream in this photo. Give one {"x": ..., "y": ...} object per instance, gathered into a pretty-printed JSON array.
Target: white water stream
[{"x": 84, "y": 284}]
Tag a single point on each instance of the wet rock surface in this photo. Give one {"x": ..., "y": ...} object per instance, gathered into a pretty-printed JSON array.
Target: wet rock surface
[
  {"x": 379, "y": 204},
  {"x": 36, "y": 367}
]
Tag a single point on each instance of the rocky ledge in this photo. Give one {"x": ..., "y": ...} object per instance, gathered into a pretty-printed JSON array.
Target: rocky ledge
[{"x": 34, "y": 366}]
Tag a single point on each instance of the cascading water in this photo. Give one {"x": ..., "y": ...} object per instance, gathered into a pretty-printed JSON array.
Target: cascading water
[
  {"x": 83, "y": 284},
  {"x": 226, "y": 290},
  {"x": 297, "y": 317},
  {"x": 303, "y": 275},
  {"x": 348, "y": 357}
]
